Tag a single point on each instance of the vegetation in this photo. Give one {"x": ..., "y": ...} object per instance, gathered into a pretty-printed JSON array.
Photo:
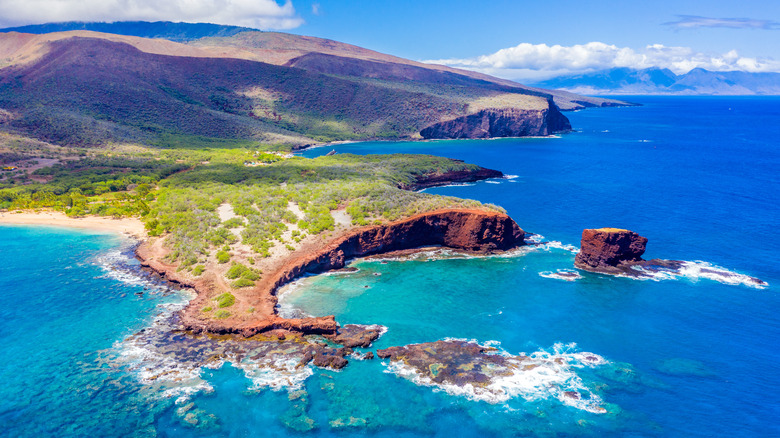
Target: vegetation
[
  {"x": 225, "y": 300},
  {"x": 112, "y": 92},
  {"x": 177, "y": 192},
  {"x": 221, "y": 314},
  {"x": 237, "y": 270}
]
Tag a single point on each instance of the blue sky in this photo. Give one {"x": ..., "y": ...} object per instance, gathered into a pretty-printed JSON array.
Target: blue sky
[{"x": 517, "y": 39}]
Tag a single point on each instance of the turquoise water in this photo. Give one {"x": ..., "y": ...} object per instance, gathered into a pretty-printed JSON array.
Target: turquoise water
[{"x": 696, "y": 355}]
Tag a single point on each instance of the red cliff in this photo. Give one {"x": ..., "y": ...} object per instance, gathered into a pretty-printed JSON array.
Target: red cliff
[
  {"x": 607, "y": 249},
  {"x": 475, "y": 231}
]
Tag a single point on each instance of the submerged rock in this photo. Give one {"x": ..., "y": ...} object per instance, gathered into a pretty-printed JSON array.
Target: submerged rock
[
  {"x": 486, "y": 373},
  {"x": 325, "y": 357}
]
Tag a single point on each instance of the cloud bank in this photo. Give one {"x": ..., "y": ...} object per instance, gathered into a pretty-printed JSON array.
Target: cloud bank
[
  {"x": 540, "y": 61},
  {"x": 261, "y": 14},
  {"x": 696, "y": 21}
]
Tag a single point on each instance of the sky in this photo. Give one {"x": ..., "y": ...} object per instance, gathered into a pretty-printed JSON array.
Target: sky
[{"x": 515, "y": 39}]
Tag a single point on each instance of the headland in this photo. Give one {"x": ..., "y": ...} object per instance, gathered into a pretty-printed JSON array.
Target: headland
[{"x": 253, "y": 310}]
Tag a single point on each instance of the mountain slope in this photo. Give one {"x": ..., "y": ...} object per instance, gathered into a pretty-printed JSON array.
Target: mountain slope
[
  {"x": 89, "y": 88},
  {"x": 281, "y": 48}
]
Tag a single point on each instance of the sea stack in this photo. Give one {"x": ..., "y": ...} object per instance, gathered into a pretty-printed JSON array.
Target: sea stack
[{"x": 609, "y": 250}]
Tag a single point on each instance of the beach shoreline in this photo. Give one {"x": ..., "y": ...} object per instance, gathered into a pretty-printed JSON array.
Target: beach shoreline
[{"x": 128, "y": 226}]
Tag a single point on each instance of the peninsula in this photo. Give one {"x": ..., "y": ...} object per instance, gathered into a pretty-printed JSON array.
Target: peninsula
[{"x": 194, "y": 136}]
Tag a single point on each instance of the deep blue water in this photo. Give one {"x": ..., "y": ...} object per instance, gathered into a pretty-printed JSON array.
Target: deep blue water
[{"x": 690, "y": 356}]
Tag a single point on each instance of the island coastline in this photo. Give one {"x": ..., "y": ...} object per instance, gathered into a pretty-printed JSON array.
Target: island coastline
[{"x": 472, "y": 231}]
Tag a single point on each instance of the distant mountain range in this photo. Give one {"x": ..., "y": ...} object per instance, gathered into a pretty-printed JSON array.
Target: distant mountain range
[
  {"x": 698, "y": 81},
  {"x": 180, "y": 32},
  {"x": 84, "y": 87}
]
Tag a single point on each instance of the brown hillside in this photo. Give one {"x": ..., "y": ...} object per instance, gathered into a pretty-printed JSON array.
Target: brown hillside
[{"x": 89, "y": 88}]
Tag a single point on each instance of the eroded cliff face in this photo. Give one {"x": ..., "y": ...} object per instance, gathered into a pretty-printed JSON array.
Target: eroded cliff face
[
  {"x": 605, "y": 248},
  {"x": 508, "y": 122},
  {"x": 475, "y": 231},
  {"x": 456, "y": 176}
]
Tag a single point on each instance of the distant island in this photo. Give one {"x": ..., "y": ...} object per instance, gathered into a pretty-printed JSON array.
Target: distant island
[{"x": 626, "y": 81}]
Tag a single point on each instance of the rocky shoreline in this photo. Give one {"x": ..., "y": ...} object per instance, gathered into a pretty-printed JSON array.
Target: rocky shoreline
[
  {"x": 473, "y": 231},
  {"x": 453, "y": 177}
]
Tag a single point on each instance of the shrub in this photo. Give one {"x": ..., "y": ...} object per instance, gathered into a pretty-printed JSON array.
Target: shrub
[
  {"x": 242, "y": 282},
  {"x": 198, "y": 270},
  {"x": 238, "y": 270},
  {"x": 234, "y": 222},
  {"x": 223, "y": 257},
  {"x": 225, "y": 300},
  {"x": 221, "y": 314},
  {"x": 206, "y": 309}
]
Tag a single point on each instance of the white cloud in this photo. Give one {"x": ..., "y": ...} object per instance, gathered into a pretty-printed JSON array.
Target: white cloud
[
  {"x": 262, "y": 14},
  {"x": 540, "y": 61},
  {"x": 696, "y": 21}
]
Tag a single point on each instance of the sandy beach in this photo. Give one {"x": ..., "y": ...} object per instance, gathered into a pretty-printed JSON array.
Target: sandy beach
[{"x": 129, "y": 226}]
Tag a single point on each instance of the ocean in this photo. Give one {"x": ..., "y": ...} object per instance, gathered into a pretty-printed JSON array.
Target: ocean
[{"x": 89, "y": 350}]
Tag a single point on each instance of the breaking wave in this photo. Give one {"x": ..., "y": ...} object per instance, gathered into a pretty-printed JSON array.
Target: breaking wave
[
  {"x": 698, "y": 270},
  {"x": 562, "y": 274}
]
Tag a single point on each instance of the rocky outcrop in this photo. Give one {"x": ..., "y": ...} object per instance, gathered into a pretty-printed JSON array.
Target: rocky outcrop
[
  {"x": 326, "y": 357},
  {"x": 619, "y": 252},
  {"x": 455, "y": 176},
  {"x": 353, "y": 335},
  {"x": 475, "y": 231},
  {"x": 483, "y": 372},
  {"x": 609, "y": 250},
  {"x": 508, "y": 122}
]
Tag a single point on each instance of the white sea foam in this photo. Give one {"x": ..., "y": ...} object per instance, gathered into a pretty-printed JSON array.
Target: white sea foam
[
  {"x": 276, "y": 373},
  {"x": 538, "y": 243},
  {"x": 174, "y": 378},
  {"x": 172, "y": 367},
  {"x": 120, "y": 266},
  {"x": 697, "y": 270},
  {"x": 448, "y": 185},
  {"x": 562, "y": 274},
  {"x": 511, "y": 176},
  {"x": 382, "y": 329},
  {"x": 424, "y": 256},
  {"x": 489, "y": 181},
  {"x": 540, "y": 375}
]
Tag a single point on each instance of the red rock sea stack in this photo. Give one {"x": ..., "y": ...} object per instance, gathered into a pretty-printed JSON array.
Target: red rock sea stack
[{"x": 606, "y": 249}]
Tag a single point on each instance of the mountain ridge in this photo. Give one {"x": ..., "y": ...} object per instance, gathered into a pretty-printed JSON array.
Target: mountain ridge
[
  {"x": 698, "y": 81},
  {"x": 258, "y": 86}
]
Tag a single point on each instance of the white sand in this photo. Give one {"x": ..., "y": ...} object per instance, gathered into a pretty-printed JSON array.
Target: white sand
[{"x": 130, "y": 226}]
